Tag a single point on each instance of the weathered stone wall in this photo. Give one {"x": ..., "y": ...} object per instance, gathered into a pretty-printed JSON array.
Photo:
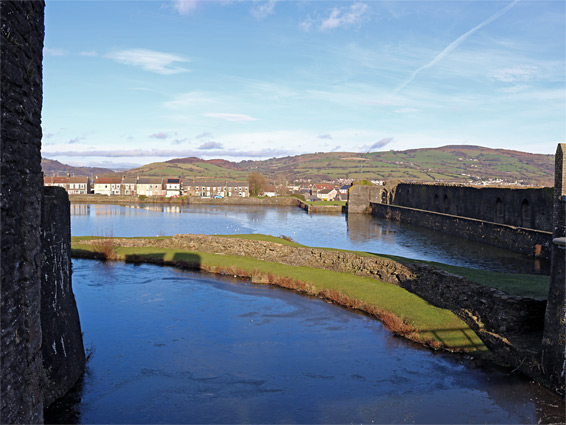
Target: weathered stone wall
[
  {"x": 62, "y": 350},
  {"x": 21, "y": 182},
  {"x": 530, "y": 208},
  {"x": 360, "y": 197},
  {"x": 525, "y": 241},
  {"x": 554, "y": 339}
]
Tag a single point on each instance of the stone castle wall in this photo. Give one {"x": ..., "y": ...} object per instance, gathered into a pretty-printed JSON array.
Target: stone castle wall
[
  {"x": 62, "y": 344},
  {"x": 35, "y": 267},
  {"x": 529, "y": 208},
  {"x": 21, "y": 182},
  {"x": 524, "y": 241}
]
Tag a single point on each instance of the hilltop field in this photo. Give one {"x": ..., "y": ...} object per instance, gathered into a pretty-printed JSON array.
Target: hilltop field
[{"x": 448, "y": 164}]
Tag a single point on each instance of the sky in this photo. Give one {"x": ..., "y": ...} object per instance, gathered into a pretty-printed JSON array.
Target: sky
[{"x": 127, "y": 83}]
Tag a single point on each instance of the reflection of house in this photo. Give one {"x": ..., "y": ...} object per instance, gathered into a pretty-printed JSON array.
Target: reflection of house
[
  {"x": 327, "y": 194},
  {"x": 107, "y": 186},
  {"x": 150, "y": 186},
  {"x": 173, "y": 187},
  {"x": 129, "y": 186}
]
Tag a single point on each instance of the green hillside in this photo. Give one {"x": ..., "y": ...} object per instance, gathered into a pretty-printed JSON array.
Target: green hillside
[{"x": 449, "y": 164}]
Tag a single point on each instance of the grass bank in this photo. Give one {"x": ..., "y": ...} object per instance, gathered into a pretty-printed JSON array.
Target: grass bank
[{"x": 399, "y": 310}]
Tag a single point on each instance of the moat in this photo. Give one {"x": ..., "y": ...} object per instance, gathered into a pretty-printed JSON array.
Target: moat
[
  {"x": 358, "y": 232},
  {"x": 172, "y": 346}
]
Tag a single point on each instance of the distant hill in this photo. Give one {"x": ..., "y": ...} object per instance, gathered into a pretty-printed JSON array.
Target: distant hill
[
  {"x": 52, "y": 167},
  {"x": 451, "y": 164}
]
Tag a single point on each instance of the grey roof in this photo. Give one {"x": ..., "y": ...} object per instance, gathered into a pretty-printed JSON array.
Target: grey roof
[{"x": 150, "y": 180}]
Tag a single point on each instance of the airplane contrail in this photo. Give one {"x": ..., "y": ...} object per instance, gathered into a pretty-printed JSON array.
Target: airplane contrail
[{"x": 455, "y": 44}]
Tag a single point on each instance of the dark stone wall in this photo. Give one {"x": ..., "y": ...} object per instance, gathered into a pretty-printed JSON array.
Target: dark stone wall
[
  {"x": 62, "y": 350},
  {"x": 360, "y": 197},
  {"x": 554, "y": 339},
  {"x": 21, "y": 47},
  {"x": 529, "y": 208},
  {"x": 525, "y": 241}
]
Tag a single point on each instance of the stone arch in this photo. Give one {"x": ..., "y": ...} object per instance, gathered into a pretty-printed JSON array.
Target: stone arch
[
  {"x": 446, "y": 204},
  {"x": 384, "y": 195},
  {"x": 499, "y": 210},
  {"x": 436, "y": 202},
  {"x": 525, "y": 213}
]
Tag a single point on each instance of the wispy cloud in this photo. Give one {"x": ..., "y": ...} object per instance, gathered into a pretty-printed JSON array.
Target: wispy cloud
[
  {"x": 188, "y": 100},
  {"x": 204, "y": 135},
  {"x": 325, "y": 136},
  {"x": 405, "y": 110},
  {"x": 150, "y": 60},
  {"x": 76, "y": 140},
  {"x": 169, "y": 153},
  {"x": 180, "y": 141},
  {"x": 380, "y": 144},
  {"x": 230, "y": 117},
  {"x": 159, "y": 135},
  {"x": 516, "y": 74},
  {"x": 184, "y": 7},
  {"x": 89, "y": 53},
  {"x": 344, "y": 16},
  {"x": 55, "y": 52},
  {"x": 263, "y": 9},
  {"x": 448, "y": 49},
  {"x": 211, "y": 145}
]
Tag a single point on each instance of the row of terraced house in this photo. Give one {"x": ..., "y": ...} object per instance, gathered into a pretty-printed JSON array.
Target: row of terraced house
[{"x": 149, "y": 186}]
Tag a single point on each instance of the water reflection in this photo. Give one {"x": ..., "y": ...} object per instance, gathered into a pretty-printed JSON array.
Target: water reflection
[
  {"x": 178, "y": 347},
  {"x": 355, "y": 232}
]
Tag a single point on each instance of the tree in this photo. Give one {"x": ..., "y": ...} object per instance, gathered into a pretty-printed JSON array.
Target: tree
[{"x": 257, "y": 182}]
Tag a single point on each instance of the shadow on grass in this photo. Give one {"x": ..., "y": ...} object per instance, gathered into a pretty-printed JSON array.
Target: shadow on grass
[
  {"x": 461, "y": 336},
  {"x": 189, "y": 261}
]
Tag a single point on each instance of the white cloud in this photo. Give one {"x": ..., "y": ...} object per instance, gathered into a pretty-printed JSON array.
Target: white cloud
[
  {"x": 55, "y": 52},
  {"x": 160, "y": 135},
  {"x": 263, "y": 9},
  {"x": 516, "y": 74},
  {"x": 344, "y": 16},
  {"x": 89, "y": 53},
  {"x": 187, "y": 100},
  {"x": 150, "y": 60},
  {"x": 211, "y": 145},
  {"x": 204, "y": 135},
  {"x": 230, "y": 117},
  {"x": 184, "y": 6}
]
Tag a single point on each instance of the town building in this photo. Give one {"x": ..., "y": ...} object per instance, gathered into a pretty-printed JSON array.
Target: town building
[
  {"x": 150, "y": 186},
  {"x": 107, "y": 186}
]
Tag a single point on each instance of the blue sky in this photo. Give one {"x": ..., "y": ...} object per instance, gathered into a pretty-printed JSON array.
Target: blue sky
[{"x": 131, "y": 82}]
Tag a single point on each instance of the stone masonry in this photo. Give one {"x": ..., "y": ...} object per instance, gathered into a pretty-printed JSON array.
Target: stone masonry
[
  {"x": 553, "y": 343},
  {"x": 41, "y": 350},
  {"x": 21, "y": 182}
]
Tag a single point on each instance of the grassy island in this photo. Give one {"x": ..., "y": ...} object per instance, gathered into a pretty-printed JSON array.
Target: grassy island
[{"x": 278, "y": 261}]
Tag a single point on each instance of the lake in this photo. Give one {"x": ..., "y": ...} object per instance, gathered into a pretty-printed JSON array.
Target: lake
[
  {"x": 173, "y": 346},
  {"x": 358, "y": 232}
]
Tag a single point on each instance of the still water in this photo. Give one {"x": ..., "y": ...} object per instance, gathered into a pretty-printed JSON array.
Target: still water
[
  {"x": 358, "y": 232},
  {"x": 172, "y": 346}
]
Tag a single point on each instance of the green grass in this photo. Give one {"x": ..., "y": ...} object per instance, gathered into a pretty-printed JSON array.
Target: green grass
[
  {"x": 522, "y": 285},
  {"x": 436, "y": 325}
]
